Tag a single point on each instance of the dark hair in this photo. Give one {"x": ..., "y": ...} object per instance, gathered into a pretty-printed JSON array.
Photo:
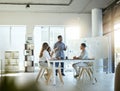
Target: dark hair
[
  {"x": 49, "y": 49},
  {"x": 83, "y": 44},
  {"x": 44, "y": 47},
  {"x": 59, "y": 36}
]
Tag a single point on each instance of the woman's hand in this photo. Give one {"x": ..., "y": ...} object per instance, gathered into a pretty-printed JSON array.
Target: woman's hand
[
  {"x": 74, "y": 57},
  {"x": 56, "y": 49},
  {"x": 52, "y": 53}
]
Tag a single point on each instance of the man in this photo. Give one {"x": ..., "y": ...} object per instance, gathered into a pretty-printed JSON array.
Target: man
[
  {"x": 59, "y": 48},
  {"x": 83, "y": 55}
]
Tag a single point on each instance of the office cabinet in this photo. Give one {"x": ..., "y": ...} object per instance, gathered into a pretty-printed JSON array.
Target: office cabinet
[{"x": 11, "y": 61}]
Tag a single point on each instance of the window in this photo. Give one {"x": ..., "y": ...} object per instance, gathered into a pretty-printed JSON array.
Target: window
[
  {"x": 46, "y": 34},
  {"x": 49, "y": 34},
  {"x": 54, "y": 32},
  {"x": 18, "y": 41},
  {"x": 13, "y": 38},
  {"x": 5, "y": 39},
  {"x": 117, "y": 43}
]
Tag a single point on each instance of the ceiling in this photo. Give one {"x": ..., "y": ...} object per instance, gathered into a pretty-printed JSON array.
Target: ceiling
[{"x": 54, "y": 6}]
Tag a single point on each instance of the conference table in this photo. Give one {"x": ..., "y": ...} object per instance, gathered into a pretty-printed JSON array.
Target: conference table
[{"x": 69, "y": 61}]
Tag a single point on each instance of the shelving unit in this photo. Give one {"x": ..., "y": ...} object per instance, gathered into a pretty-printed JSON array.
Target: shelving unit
[
  {"x": 11, "y": 61},
  {"x": 29, "y": 57}
]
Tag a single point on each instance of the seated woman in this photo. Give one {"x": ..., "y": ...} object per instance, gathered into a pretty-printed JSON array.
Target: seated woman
[
  {"x": 43, "y": 55},
  {"x": 83, "y": 55}
]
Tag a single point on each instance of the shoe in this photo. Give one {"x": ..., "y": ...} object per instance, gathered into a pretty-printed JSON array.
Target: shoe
[
  {"x": 56, "y": 74},
  {"x": 63, "y": 74},
  {"x": 75, "y": 76}
]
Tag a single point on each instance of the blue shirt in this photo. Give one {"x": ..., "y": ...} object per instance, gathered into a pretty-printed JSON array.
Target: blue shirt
[{"x": 60, "y": 52}]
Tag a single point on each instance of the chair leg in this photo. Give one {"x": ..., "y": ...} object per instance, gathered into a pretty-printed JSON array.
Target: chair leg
[
  {"x": 88, "y": 73},
  {"x": 81, "y": 73},
  {"x": 39, "y": 74},
  {"x": 91, "y": 71},
  {"x": 60, "y": 76},
  {"x": 43, "y": 71},
  {"x": 49, "y": 76}
]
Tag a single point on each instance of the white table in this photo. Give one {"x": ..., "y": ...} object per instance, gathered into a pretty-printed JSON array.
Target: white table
[{"x": 69, "y": 61}]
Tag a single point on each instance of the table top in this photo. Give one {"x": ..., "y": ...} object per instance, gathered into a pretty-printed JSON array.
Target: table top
[{"x": 71, "y": 60}]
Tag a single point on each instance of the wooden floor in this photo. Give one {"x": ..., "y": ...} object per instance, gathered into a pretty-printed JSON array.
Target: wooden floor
[{"x": 105, "y": 82}]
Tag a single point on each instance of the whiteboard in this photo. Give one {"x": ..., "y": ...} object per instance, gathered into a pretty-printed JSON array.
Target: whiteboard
[{"x": 97, "y": 47}]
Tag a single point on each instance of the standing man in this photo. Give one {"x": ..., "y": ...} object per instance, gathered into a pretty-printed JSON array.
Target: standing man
[{"x": 59, "y": 48}]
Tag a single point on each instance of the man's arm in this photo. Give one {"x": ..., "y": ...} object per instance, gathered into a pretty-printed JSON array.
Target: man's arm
[
  {"x": 55, "y": 47},
  {"x": 65, "y": 47}
]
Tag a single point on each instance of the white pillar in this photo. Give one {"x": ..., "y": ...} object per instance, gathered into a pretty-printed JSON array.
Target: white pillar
[
  {"x": 29, "y": 32},
  {"x": 97, "y": 30},
  {"x": 97, "y": 25}
]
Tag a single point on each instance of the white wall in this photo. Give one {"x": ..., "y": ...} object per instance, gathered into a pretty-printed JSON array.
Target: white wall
[{"x": 30, "y": 19}]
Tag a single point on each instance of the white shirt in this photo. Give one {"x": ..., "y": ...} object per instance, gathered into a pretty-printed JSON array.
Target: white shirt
[
  {"x": 45, "y": 55},
  {"x": 83, "y": 55}
]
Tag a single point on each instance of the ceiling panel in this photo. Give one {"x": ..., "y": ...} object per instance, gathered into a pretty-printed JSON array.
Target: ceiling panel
[
  {"x": 77, "y": 6},
  {"x": 97, "y": 4},
  {"x": 34, "y": 1}
]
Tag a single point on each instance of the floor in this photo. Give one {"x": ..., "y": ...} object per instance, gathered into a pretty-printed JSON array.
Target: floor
[{"x": 105, "y": 82}]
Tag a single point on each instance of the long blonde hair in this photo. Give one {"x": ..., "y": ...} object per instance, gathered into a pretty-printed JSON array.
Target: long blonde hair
[{"x": 44, "y": 47}]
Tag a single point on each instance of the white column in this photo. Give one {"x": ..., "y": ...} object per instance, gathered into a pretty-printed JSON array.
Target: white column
[
  {"x": 30, "y": 31},
  {"x": 97, "y": 25},
  {"x": 97, "y": 30}
]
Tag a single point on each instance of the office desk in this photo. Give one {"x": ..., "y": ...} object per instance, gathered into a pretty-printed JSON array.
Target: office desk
[{"x": 69, "y": 61}]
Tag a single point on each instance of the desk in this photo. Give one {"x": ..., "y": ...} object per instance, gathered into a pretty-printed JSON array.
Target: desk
[{"x": 69, "y": 61}]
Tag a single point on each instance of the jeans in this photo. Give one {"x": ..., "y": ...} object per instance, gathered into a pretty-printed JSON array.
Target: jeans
[{"x": 62, "y": 65}]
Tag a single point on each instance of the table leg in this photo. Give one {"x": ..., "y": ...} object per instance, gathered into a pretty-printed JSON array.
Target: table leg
[
  {"x": 94, "y": 78},
  {"x": 54, "y": 77}
]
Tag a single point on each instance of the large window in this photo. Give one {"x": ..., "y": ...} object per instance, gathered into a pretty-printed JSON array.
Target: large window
[
  {"x": 71, "y": 36},
  {"x": 46, "y": 34},
  {"x": 117, "y": 43},
  {"x": 13, "y": 38}
]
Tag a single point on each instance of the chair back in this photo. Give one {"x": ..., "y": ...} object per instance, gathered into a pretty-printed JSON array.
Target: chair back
[{"x": 48, "y": 61}]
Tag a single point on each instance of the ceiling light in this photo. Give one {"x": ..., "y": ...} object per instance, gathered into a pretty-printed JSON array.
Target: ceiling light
[{"x": 28, "y": 6}]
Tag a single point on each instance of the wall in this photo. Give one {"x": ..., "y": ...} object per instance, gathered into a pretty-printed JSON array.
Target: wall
[{"x": 30, "y": 19}]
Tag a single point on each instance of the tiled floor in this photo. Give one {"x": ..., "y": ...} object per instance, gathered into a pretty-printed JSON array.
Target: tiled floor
[{"x": 105, "y": 82}]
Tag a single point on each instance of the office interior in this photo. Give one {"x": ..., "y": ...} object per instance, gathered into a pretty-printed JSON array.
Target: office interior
[{"x": 33, "y": 22}]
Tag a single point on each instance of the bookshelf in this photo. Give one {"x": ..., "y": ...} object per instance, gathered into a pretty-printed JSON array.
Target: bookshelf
[
  {"x": 29, "y": 57},
  {"x": 11, "y": 61}
]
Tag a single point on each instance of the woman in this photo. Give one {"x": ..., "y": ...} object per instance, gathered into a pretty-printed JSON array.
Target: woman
[{"x": 43, "y": 55}]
